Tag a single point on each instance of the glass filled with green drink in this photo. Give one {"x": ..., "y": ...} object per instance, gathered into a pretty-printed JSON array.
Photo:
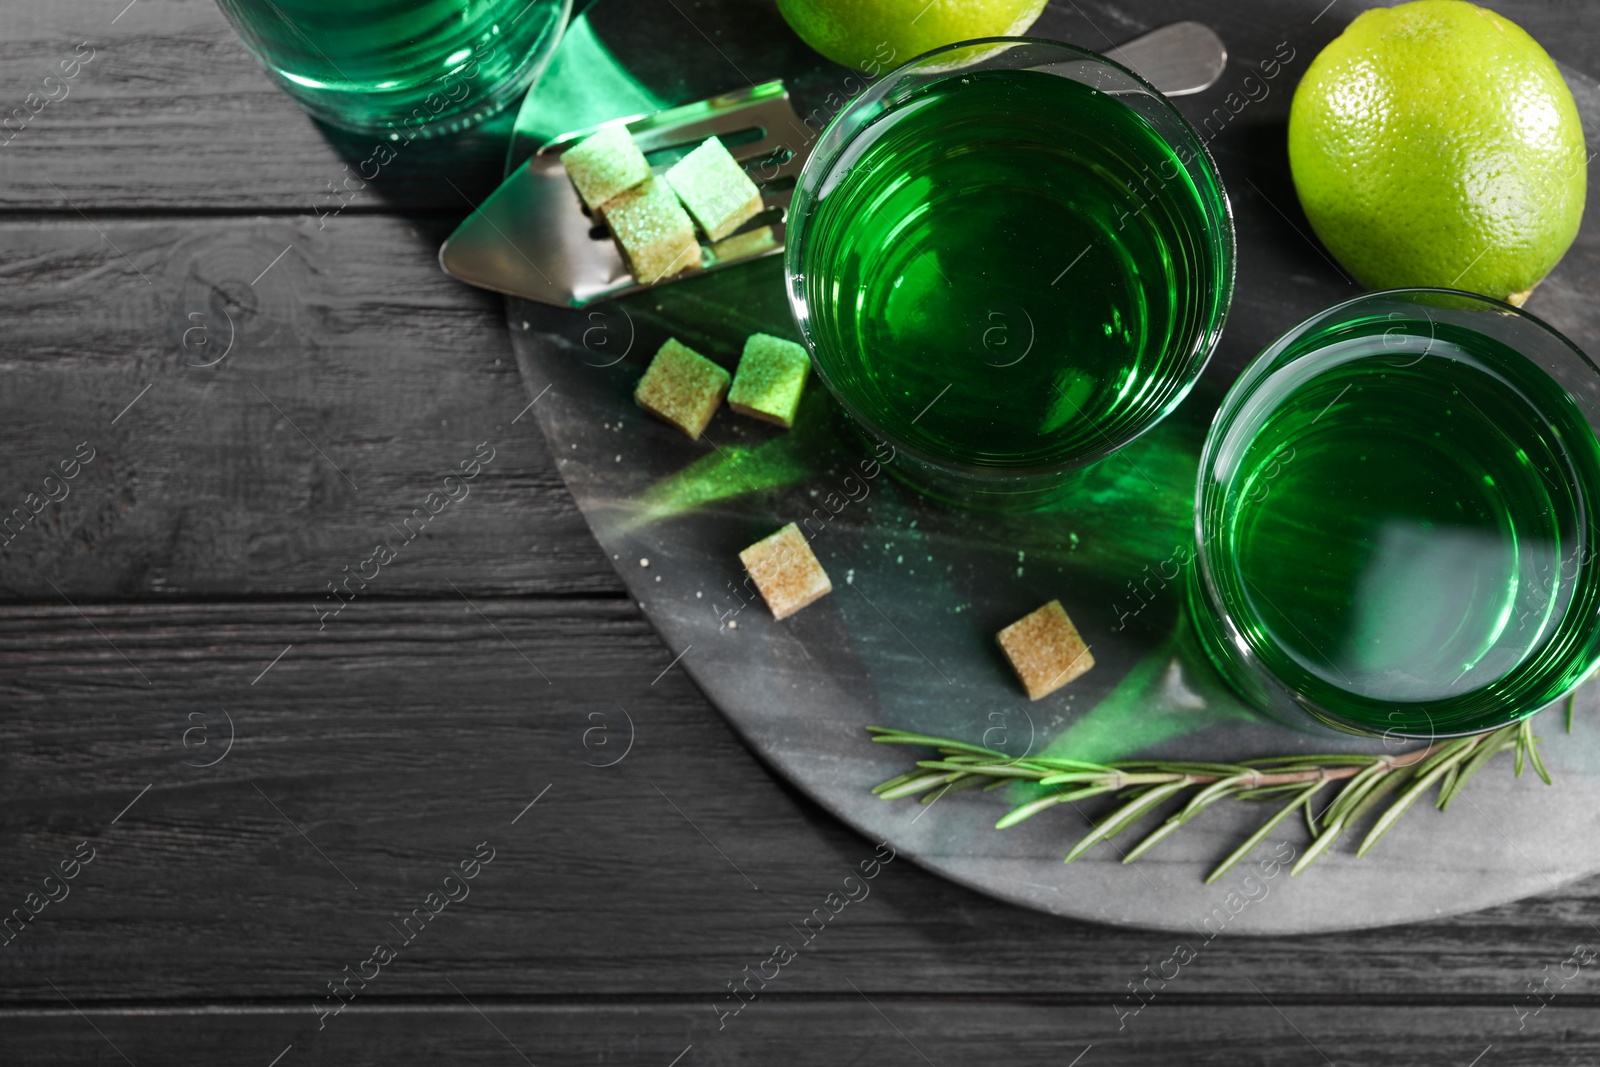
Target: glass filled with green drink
[
  {"x": 1397, "y": 519},
  {"x": 401, "y": 68},
  {"x": 1008, "y": 258}
]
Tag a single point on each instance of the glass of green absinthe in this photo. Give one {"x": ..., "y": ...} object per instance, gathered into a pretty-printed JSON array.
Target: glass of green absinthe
[
  {"x": 1396, "y": 518},
  {"x": 1009, "y": 258}
]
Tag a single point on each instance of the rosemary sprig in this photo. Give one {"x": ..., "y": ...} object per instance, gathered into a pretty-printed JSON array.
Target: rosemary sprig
[{"x": 1143, "y": 786}]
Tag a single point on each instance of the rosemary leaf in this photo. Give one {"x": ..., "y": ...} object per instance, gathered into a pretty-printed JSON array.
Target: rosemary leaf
[
  {"x": 1319, "y": 844},
  {"x": 1269, "y": 792},
  {"x": 916, "y": 785},
  {"x": 1125, "y": 816},
  {"x": 1387, "y": 784},
  {"x": 1336, "y": 759},
  {"x": 1446, "y": 752},
  {"x": 1183, "y": 767},
  {"x": 1088, "y": 791},
  {"x": 1016, "y": 815},
  {"x": 1354, "y": 790},
  {"x": 1490, "y": 747},
  {"x": 1069, "y": 764},
  {"x": 878, "y": 789},
  {"x": 1302, "y": 797},
  {"x": 1532, "y": 744},
  {"x": 1198, "y": 803},
  {"x": 1150, "y": 839},
  {"x": 997, "y": 770},
  {"x": 1425, "y": 777},
  {"x": 1210, "y": 794},
  {"x": 1447, "y": 785},
  {"x": 1075, "y": 776},
  {"x": 888, "y": 736},
  {"x": 956, "y": 784}
]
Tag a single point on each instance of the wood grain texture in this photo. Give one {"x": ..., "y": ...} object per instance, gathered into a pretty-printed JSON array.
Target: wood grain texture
[
  {"x": 861, "y": 1028},
  {"x": 384, "y": 747},
  {"x": 358, "y": 378},
  {"x": 174, "y": 115},
  {"x": 405, "y": 733}
]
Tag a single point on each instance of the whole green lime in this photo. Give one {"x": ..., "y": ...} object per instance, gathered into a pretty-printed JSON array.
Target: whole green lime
[
  {"x": 877, "y": 35},
  {"x": 1435, "y": 143}
]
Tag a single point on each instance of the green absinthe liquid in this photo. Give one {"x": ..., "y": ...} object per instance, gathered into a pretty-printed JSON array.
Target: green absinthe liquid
[
  {"x": 424, "y": 67},
  {"x": 1403, "y": 527},
  {"x": 1010, "y": 269}
]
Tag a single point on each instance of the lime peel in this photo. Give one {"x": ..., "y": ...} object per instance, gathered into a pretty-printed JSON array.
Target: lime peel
[{"x": 1435, "y": 143}]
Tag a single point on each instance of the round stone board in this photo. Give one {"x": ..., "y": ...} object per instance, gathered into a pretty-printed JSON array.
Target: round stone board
[{"x": 906, "y": 639}]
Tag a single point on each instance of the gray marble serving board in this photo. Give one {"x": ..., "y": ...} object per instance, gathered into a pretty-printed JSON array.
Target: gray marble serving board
[{"x": 906, "y": 637}]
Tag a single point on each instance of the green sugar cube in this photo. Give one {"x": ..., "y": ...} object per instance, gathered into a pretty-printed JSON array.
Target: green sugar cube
[
  {"x": 604, "y": 164},
  {"x": 656, "y": 236},
  {"x": 770, "y": 379},
  {"x": 682, "y": 387},
  {"x": 715, "y": 189}
]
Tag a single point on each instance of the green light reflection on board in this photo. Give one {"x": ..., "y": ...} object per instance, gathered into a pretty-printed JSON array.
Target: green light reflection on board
[
  {"x": 1143, "y": 493},
  {"x": 583, "y": 86}
]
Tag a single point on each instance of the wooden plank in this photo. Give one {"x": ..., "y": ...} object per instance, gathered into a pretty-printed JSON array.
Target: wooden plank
[
  {"x": 358, "y": 378},
  {"x": 373, "y": 756},
  {"x": 872, "y": 1027}
]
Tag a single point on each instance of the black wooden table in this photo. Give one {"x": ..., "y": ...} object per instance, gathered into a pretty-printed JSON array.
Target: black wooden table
[{"x": 217, "y": 804}]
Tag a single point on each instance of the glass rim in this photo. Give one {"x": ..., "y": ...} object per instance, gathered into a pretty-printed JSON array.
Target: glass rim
[
  {"x": 1400, "y": 293},
  {"x": 1260, "y": 367},
  {"x": 819, "y": 166}
]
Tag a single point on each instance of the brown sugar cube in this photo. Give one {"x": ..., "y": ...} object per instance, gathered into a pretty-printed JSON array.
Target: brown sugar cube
[
  {"x": 786, "y": 571},
  {"x": 683, "y": 387},
  {"x": 1045, "y": 650},
  {"x": 655, "y": 233}
]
